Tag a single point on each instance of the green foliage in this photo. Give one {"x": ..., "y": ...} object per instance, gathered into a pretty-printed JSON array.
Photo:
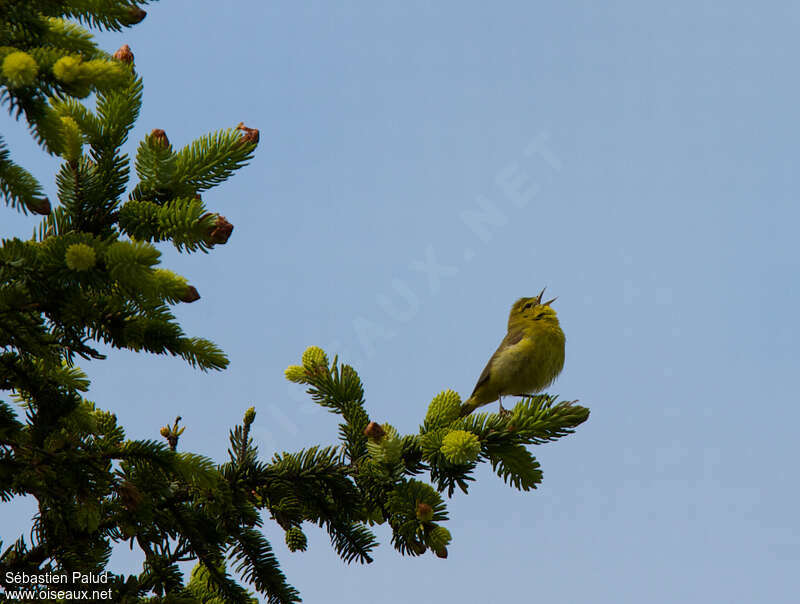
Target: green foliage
[
  {"x": 203, "y": 587},
  {"x": 91, "y": 275},
  {"x": 185, "y": 222},
  {"x": 19, "y": 188},
  {"x": 515, "y": 464},
  {"x": 210, "y": 160}
]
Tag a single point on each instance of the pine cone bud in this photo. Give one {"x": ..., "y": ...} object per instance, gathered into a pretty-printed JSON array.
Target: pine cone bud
[
  {"x": 80, "y": 257},
  {"x": 444, "y": 409},
  {"x": 124, "y": 54},
  {"x": 221, "y": 231},
  {"x": 296, "y": 540},
  {"x": 67, "y": 69},
  {"x": 71, "y": 141},
  {"x": 295, "y": 373},
  {"x": 164, "y": 431},
  {"x": 191, "y": 295},
  {"x": 461, "y": 447},
  {"x": 314, "y": 356},
  {"x": 136, "y": 15},
  {"x": 374, "y": 431},
  {"x": 160, "y": 137},
  {"x": 249, "y": 416},
  {"x": 20, "y": 69},
  {"x": 40, "y": 206},
  {"x": 424, "y": 512},
  {"x": 250, "y": 135},
  {"x": 441, "y": 553}
]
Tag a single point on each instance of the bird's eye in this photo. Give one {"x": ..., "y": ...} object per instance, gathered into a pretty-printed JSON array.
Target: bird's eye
[{"x": 527, "y": 306}]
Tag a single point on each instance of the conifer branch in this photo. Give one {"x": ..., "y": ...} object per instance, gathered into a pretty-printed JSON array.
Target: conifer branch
[{"x": 91, "y": 274}]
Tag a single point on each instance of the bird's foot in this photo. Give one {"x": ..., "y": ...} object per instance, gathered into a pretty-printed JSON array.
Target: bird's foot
[{"x": 502, "y": 411}]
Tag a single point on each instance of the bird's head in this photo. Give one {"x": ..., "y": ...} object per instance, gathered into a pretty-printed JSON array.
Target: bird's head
[{"x": 528, "y": 310}]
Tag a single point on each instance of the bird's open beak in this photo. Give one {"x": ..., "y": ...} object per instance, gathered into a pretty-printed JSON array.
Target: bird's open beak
[
  {"x": 539, "y": 297},
  {"x": 548, "y": 303}
]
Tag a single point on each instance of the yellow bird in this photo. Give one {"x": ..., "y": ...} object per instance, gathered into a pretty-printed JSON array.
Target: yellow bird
[{"x": 528, "y": 359}]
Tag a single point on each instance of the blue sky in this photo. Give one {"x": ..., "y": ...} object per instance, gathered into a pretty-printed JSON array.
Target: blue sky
[{"x": 638, "y": 159}]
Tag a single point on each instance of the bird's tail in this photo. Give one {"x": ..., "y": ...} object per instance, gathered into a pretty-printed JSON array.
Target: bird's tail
[{"x": 468, "y": 407}]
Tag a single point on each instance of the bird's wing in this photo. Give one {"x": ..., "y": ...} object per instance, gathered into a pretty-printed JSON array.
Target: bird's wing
[{"x": 512, "y": 337}]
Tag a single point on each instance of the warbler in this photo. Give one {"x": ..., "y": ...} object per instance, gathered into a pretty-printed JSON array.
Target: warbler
[{"x": 528, "y": 359}]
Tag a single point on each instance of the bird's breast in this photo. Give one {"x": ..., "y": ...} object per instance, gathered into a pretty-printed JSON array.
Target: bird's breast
[{"x": 531, "y": 364}]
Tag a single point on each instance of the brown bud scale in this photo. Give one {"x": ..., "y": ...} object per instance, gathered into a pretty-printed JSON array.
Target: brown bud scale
[
  {"x": 124, "y": 54},
  {"x": 41, "y": 207},
  {"x": 424, "y": 512},
  {"x": 221, "y": 231},
  {"x": 250, "y": 135},
  {"x": 374, "y": 431},
  {"x": 160, "y": 137},
  {"x": 191, "y": 295},
  {"x": 136, "y": 15}
]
